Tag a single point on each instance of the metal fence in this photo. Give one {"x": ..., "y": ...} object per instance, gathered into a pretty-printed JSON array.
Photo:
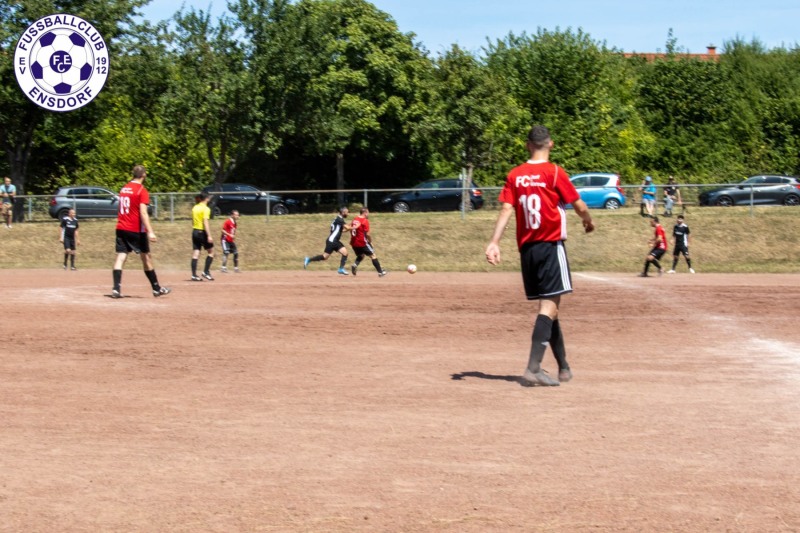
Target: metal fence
[{"x": 178, "y": 205}]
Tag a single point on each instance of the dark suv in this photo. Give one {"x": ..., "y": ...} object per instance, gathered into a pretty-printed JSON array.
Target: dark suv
[
  {"x": 248, "y": 200},
  {"x": 88, "y": 201},
  {"x": 764, "y": 190},
  {"x": 432, "y": 195}
]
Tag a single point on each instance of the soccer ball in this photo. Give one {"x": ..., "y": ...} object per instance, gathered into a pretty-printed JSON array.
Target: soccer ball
[
  {"x": 411, "y": 269},
  {"x": 61, "y": 61}
]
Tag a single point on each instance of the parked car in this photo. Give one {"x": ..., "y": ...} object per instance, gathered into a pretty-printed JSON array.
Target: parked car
[
  {"x": 88, "y": 201},
  {"x": 600, "y": 190},
  {"x": 248, "y": 200},
  {"x": 765, "y": 190},
  {"x": 432, "y": 195}
]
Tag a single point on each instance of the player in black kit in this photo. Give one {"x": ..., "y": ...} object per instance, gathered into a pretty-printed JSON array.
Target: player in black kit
[
  {"x": 681, "y": 234},
  {"x": 334, "y": 242},
  {"x": 68, "y": 234}
]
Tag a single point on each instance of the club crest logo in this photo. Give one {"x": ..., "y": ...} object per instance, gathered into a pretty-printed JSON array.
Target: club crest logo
[{"x": 61, "y": 62}]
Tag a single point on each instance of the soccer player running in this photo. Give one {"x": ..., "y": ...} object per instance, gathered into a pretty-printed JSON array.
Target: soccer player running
[
  {"x": 681, "y": 234},
  {"x": 228, "y": 241},
  {"x": 134, "y": 232},
  {"x": 536, "y": 192},
  {"x": 68, "y": 235},
  {"x": 201, "y": 236},
  {"x": 361, "y": 241},
  {"x": 659, "y": 248},
  {"x": 334, "y": 242}
]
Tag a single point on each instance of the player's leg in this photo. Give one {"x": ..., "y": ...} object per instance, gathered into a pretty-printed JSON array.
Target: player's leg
[
  {"x": 197, "y": 245},
  {"x": 560, "y": 351},
  {"x": 72, "y": 253},
  {"x": 209, "y": 259},
  {"x": 225, "y": 252},
  {"x": 342, "y": 261}
]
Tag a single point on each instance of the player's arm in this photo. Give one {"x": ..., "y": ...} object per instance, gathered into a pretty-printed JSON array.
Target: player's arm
[
  {"x": 145, "y": 216},
  {"x": 493, "y": 249},
  {"x": 207, "y": 228},
  {"x": 61, "y": 232},
  {"x": 77, "y": 237},
  {"x": 579, "y": 206}
]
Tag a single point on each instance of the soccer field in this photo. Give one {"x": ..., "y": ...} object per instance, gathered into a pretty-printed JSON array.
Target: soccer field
[{"x": 306, "y": 401}]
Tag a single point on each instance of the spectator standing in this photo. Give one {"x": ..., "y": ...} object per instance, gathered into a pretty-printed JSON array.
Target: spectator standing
[
  {"x": 135, "y": 233},
  {"x": 672, "y": 195},
  {"x": 648, "y": 197},
  {"x": 535, "y": 192},
  {"x": 68, "y": 235},
  {"x": 228, "y": 241},
  {"x": 681, "y": 234},
  {"x": 361, "y": 241},
  {"x": 9, "y": 193},
  {"x": 658, "y": 248}
]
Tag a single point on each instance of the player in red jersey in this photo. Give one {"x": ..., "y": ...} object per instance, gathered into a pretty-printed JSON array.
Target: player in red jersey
[
  {"x": 537, "y": 192},
  {"x": 361, "y": 241},
  {"x": 658, "y": 246},
  {"x": 134, "y": 232},
  {"x": 228, "y": 241}
]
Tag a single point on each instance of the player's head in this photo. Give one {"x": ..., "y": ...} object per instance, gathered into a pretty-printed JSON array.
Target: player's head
[
  {"x": 71, "y": 213},
  {"x": 539, "y": 138},
  {"x": 364, "y": 211},
  {"x": 344, "y": 211},
  {"x": 234, "y": 214},
  {"x": 139, "y": 172},
  {"x": 680, "y": 219},
  {"x": 654, "y": 221},
  {"x": 202, "y": 197}
]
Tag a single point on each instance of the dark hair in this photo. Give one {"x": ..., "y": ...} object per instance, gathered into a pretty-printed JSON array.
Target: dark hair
[
  {"x": 138, "y": 171},
  {"x": 655, "y": 219},
  {"x": 539, "y": 136},
  {"x": 199, "y": 197},
  {"x": 342, "y": 208}
]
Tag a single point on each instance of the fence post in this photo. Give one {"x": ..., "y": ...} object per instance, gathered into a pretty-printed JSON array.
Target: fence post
[{"x": 172, "y": 207}]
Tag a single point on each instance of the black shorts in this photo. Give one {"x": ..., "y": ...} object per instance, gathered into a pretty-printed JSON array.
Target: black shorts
[
  {"x": 367, "y": 250},
  {"x": 200, "y": 240},
  {"x": 545, "y": 269},
  {"x": 69, "y": 243},
  {"x": 132, "y": 241},
  {"x": 658, "y": 253},
  {"x": 228, "y": 247},
  {"x": 680, "y": 249},
  {"x": 334, "y": 246}
]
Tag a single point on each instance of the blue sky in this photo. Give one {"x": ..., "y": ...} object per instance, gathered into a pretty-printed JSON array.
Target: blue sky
[{"x": 640, "y": 26}]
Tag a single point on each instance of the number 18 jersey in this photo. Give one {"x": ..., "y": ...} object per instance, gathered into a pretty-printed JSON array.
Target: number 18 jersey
[{"x": 539, "y": 191}]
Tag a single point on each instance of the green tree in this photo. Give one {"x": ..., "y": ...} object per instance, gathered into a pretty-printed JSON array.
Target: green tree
[
  {"x": 212, "y": 97},
  {"x": 473, "y": 122},
  {"x": 22, "y": 123},
  {"x": 340, "y": 75},
  {"x": 578, "y": 88}
]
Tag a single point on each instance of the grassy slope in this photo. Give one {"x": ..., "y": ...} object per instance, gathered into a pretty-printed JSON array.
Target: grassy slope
[{"x": 724, "y": 240}]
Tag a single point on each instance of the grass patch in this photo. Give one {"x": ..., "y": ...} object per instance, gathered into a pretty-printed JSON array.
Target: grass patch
[{"x": 723, "y": 240}]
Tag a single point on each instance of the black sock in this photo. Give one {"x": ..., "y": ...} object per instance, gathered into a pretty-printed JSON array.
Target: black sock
[
  {"x": 646, "y": 266},
  {"x": 235, "y": 260},
  {"x": 674, "y": 262},
  {"x": 343, "y": 262},
  {"x": 209, "y": 260},
  {"x": 688, "y": 262},
  {"x": 539, "y": 341},
  {"x": 657, "y": 264},
  {"x": 194, "y": 268},
  {"x": 66, "y": 256},
  {"x": 317, "y": 258},
  {"x": 377, "y": 264},
  {"x": 151, "y": 275},
  {"x": 72, "y": 260},
  {"x": 117, "y": 279},
  {"x": 557, "y": 344}
]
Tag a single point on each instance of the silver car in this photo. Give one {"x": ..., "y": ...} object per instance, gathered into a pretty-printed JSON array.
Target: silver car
[
  {"x": 762, "y": 190},
  {"x": 87, "y": 200}
]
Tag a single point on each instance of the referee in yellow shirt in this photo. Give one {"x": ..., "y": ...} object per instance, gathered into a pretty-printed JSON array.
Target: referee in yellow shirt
[{"x": 201, "y": 236}]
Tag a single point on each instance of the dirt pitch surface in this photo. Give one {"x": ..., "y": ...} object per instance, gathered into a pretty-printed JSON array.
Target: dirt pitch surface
[{"x": 306, "y": 401}]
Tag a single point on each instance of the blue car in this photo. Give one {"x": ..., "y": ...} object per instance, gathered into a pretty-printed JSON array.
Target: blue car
[{"x": 599, "y": 190}]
